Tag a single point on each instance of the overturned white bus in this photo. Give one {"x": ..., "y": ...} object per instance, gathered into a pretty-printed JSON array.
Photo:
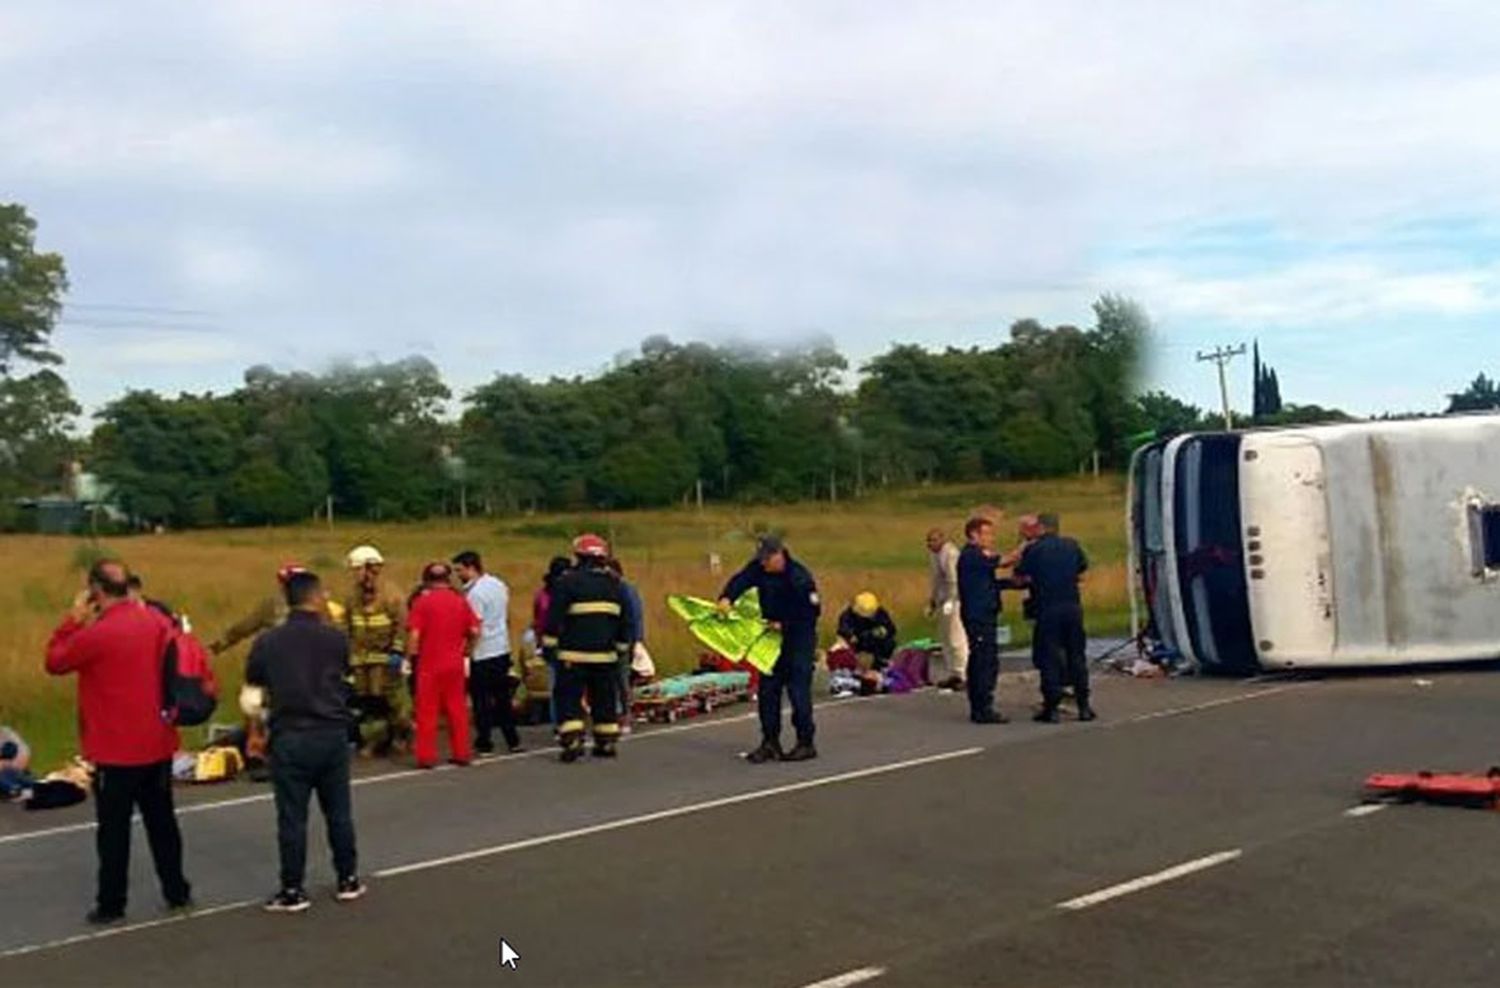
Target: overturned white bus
[{"x": 1368, "y": 544}]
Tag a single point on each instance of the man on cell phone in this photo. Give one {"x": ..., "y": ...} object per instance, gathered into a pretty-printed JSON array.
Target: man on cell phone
[{"x": 117, "y": 648}]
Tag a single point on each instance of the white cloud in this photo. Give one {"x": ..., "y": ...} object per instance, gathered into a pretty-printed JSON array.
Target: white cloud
[
  {"x": 563, "y": 178},
  {"x": 209, "y": 264},
  {"x": 1316, "y": 293},
  {"x": 56, "y": 140},
  {"x": 174, "y": 348}
]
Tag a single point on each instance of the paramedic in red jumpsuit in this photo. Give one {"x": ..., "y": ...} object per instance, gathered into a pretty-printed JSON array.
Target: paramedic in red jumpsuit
[{"x": 442, "y": 629}]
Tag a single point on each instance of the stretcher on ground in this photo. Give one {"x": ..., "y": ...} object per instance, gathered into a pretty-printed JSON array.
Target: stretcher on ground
[
  {"x": 667, "y": 700},
  {"x": 1446, "y": 788}
]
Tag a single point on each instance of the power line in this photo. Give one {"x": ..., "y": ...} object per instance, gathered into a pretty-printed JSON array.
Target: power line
[{"x": 1222, "y": 356}]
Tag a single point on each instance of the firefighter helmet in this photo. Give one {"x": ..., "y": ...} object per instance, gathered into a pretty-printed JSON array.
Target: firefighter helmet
[{"x": 365, "y": 555}]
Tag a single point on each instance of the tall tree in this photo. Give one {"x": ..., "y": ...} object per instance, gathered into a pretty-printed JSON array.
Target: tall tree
[
  {"x": 31, "y": 290},
  {"x": 1482, "y": 394},
  {"x": 36, "y": 409}
]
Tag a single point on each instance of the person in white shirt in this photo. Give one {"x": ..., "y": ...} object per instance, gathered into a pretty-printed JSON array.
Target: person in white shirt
[{"x": 490, "y": 676}]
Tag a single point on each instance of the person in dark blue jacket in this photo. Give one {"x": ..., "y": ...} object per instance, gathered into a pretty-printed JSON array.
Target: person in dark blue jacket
[
  {"x": 789, "y": 602},
  {"x": 979, "y": 586}
]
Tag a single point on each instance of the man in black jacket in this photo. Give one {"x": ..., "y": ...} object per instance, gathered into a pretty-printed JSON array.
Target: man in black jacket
[
  {"x": 302, "y": 665},
  {"x": 1052, "y": 567},
  {"x": 979, "y": 586},
  {"x": 789, "y": 602}
]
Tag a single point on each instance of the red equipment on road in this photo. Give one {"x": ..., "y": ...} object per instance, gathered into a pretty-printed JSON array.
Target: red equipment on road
[{"x": 1449, "y": 788}]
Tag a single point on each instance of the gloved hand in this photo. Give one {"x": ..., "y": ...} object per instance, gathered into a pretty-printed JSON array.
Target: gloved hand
[{"x": 395, "y": 660}]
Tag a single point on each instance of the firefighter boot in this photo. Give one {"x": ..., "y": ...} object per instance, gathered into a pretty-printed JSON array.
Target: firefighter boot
[{"x": 572, "y": 746}]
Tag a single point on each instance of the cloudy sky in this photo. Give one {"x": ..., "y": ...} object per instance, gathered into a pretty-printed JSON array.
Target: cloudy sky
[{"x": 537, "y": 187}]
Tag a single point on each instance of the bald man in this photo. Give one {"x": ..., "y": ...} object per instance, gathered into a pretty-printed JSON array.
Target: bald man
[{"x": 116, "y": 648}]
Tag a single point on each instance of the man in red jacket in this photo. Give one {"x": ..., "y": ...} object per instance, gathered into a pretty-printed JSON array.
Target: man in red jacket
[
  {"x": 442, "y": 628},
  {"x": 116, "y": 647}
]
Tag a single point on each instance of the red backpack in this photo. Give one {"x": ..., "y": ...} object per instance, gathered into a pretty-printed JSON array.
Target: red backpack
[{"x": 189, "y": 691}]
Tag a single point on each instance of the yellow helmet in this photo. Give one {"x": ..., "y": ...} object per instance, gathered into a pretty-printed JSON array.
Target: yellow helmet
[{"x": 866, "y": 604}]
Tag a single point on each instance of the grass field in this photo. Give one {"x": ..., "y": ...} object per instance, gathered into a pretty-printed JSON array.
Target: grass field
[{"x": 215, "y": 576}]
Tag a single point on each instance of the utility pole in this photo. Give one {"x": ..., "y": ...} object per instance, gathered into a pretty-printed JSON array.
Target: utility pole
[{"x": 1222, "y": 356}]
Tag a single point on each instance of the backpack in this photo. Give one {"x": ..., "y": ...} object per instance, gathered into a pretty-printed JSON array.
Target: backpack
[{"x": 189, "y": 691}]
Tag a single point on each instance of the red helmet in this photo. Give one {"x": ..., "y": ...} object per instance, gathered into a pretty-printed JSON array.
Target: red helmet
[
  {"x": 289, "y": 570},
  {"x": 590, "y": 545}
]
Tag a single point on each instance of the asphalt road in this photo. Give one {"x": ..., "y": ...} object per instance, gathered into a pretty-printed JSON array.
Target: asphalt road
[{"x": 1199, "y": 835}]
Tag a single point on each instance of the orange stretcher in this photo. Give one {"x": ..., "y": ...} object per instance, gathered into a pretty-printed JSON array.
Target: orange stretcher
[{"x": 1447, "y": 788}]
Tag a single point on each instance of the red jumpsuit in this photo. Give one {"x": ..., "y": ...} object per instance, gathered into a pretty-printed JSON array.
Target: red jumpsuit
[{"x": 443, "y": 621}]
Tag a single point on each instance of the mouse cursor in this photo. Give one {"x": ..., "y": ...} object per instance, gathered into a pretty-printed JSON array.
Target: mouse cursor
[{"x": 508, "y": 955}]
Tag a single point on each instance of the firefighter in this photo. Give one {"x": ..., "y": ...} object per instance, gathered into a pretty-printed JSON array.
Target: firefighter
[
  {"x": 866, "y": 628},
  {"x": 375, "y": 616},
  {"x": 587, "y": 635},
  {"x": 267, "y": 614}
]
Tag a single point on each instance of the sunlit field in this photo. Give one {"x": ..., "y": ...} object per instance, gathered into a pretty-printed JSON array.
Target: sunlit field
[{"x": 215, "y": 576}]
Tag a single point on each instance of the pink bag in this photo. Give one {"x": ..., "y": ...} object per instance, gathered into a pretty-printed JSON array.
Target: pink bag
[{"x": 912, "y": 665}]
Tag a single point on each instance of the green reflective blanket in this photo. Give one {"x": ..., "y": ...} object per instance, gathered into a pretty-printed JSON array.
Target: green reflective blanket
[{"x": 740, "y": 636}]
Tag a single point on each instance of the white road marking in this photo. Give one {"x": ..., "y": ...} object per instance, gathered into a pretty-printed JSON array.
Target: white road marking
[
  {"x": 519, "y": 845},
  {"x": 1147, "y": 881},
  {"x": 1206, "y": 705},
  {"x": 114, "y": 931},
  {"x": 369, "y": 780},
  {"x": 676, "y": 811},
  {"x": 849, "y": 978},
  {"x": 1365, "y": 810}
]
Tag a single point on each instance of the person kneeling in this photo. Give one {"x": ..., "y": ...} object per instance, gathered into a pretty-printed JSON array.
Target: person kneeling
[{"x": 866, "y": 629}]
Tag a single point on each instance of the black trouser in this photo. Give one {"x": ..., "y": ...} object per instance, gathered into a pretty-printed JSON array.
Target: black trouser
[
  {"x": 304, "y": 762},
  {"x": 1062, "y": 647},
  {"x": 984, "y": 667},
  {"x": 490, "y": 692},
  {"x": 793, "y": 673},
  {"x": 601, "y": 682},
  {"x": 118, "y": 790}
]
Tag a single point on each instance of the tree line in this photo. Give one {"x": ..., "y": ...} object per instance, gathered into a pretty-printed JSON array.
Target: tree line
[
  {"x": 672, "y": 421},
  {"x": 669, "y": 423}
]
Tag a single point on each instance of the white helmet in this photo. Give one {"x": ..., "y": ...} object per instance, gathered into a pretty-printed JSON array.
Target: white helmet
[
  {"x": 252, "y": 700},
  {"x": 365, "y": 555}
]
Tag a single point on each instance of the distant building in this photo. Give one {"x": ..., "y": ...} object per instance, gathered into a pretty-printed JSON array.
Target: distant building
[{"x": 84, "y": 504}]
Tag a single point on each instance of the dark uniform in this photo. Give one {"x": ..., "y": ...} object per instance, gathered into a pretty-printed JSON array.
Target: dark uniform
[
  {"x": 790, "y": 598},
  {"x": 1052, "y": 565},
  {"x": 874, "y": 636},
  {"x": 979, "y": 606},
  {"x": 587, "y": 633}
]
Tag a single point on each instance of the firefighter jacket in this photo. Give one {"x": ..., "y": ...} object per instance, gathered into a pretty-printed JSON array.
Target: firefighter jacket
[{"x": 587, "y": 619}]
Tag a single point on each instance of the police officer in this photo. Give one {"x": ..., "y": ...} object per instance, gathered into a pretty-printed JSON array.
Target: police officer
[
  {"x": 789, "y": 601},
  {"x": 1052, "y": 566},
  {"x": 979, "y": 586},
  {"x": 587, "y": 634}
]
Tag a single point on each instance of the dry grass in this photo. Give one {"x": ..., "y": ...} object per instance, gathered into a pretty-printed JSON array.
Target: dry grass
[{"x": 215, "y": 576}]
